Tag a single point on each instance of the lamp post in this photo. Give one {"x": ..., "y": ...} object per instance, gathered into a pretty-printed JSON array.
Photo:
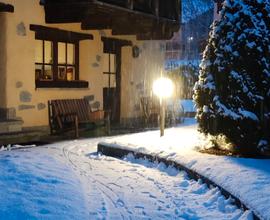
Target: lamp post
[{"x": 163, "y": 88}]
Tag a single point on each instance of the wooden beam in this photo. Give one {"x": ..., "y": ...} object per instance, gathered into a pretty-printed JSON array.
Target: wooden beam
[
  {"x": 154, "y": 36},
  {"x": 48, "y": 33},
  {"x": 61, "y": 84},
  {"x": 123, "y": 27},
  {"x": 72, "y": 11},
  {"x": 94, "y": 22},
  {"x": 156, "y": 7},
  {"x": 151, "y": 29},
  {"x": 109, "y": 43},
  {"x": 130, "y": 4},
  {"x": 6, "y": 7},
  {"x": 77, "y": 60},
  {"x": 65, "y": 12},
  {"x": 161, "y": 32},
  {"x": 124, "y": 17}
]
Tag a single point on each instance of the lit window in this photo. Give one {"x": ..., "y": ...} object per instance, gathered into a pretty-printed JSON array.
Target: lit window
[
  {"x": 57, "y": 57},
  {"x": 66, "y": 65},
  {"x": 109, "y": 70},
  {"x": 43, "y": 60}
]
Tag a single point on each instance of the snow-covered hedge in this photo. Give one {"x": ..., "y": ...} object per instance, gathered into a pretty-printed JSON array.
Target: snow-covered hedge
[{"x": 233, "y": 91}]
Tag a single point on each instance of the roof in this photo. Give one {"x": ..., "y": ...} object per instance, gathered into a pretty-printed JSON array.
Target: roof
[{"x": 145, "y": 19}]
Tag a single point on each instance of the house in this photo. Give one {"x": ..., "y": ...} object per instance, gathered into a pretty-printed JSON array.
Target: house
[
  {"x": 184, "y": 52},
  {"x": 189, "y": 42},
  {"x": 106, "y": 51}
]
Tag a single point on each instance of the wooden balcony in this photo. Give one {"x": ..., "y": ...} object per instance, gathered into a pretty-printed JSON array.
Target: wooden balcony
[{"x": 147, "y": 19}]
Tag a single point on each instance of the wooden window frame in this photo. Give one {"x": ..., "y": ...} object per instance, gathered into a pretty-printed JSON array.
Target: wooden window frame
[
  {"x": 56, "y": 36},
  {"x": 43, "y": 63},
  {"x": 110, "y": 73},
  {"x": 66, "y": 65}
]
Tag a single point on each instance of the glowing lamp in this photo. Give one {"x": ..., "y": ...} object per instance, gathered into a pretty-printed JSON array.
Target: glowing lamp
[{"x": 163, "y": 87}]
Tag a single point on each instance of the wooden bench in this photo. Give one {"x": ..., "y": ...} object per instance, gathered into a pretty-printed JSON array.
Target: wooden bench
[{"x": 67, "y": 114}]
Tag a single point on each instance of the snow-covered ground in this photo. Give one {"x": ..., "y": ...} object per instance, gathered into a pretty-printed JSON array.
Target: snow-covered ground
[
  {"x": 34, "y": 185},
  {"x": 68, "y": 180},
  {"x": 247, "y": 179}
]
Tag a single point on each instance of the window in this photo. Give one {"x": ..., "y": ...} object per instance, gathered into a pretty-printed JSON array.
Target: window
[
  {"x": 66, "y": 61},
  {"x": 109, "y": 70},
  {"x": 57, "y": 58},
  {"x": 43, "y": 60}
]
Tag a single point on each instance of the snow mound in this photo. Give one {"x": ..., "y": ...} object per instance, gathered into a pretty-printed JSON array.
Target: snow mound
[{"x": 33, "y": 185}]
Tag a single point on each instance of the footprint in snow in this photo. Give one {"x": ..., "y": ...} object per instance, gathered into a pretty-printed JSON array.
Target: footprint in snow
[
  {"x": 184, "y": 183},
  {"x": 211, "y": 199},
  {"x": 150, "y": 179},
  {"x": 172, "y": 154},
  {"x": 152, "y": 196},
  {"x": 132, "y": 170},
  {"x": 201, "y": 189},
  {"x": 114, "y": 184},
  {"x": 103, "y": 208},
  {"x": 191, "y": 163},
  {"x": 129, "y": 186},
  {"x": 149, "y": 194},
  {"x": 126, "y": 176},
  {"x": 120, "y": 203},
  {"x": 44, "y": 211},
  {"x": 139, "y": 207},
  {"x": 188, "y": 214},
  {"x": 160, "y": 208},
  {"x": 96, "y": 214},
  {"x": 160, "y": 201}
]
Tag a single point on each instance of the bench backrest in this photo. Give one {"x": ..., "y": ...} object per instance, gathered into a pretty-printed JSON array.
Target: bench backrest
[{"x": 80, "y": 107}]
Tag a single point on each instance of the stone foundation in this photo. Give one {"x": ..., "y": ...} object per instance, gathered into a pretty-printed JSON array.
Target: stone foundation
[{"x": 7, "y": 114}]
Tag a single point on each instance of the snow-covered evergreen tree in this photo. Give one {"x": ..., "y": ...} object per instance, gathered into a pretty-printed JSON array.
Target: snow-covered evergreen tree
[{"x": 233, "y": 90}]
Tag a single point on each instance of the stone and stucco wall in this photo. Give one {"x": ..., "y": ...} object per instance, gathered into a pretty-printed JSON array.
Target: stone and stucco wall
[
  {"x": 3, "y": 59},
  {"x": 17, "y": 68},
  {"x": 138, "y": 75}
]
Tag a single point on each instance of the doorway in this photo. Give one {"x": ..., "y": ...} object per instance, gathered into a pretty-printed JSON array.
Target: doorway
[
  {"x": 112, "y": 73},
  {"x": 112, "y": 76}
]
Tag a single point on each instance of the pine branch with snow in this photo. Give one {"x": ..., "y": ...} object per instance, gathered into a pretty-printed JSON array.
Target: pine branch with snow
[{"x": 233, "y": 90}]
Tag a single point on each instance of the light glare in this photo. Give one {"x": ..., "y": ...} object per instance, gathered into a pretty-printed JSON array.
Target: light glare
[{"x": 163, "y": 87}]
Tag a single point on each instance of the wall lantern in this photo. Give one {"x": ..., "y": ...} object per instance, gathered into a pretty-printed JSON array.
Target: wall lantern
[{"x": 135, "y": 51}]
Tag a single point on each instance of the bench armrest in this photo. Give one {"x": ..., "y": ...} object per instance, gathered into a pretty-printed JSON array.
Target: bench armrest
[{"x": 96, "y": 115}]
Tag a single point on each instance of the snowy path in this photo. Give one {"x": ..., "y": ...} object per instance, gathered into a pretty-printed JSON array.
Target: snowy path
[
  {"x": 138, "y": 189},
  {"x": 68, "y": 180}
]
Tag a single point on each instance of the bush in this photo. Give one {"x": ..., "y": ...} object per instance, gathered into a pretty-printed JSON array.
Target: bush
[{"x": 233, "y": 90}]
